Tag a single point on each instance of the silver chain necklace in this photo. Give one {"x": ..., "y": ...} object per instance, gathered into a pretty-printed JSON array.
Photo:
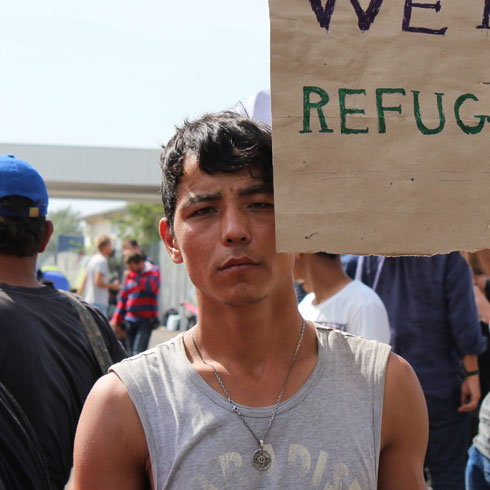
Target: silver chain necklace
[{"x": 261, "y": 459}]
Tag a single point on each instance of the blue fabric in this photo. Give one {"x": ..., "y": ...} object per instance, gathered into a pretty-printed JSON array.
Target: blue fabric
[
  {"x": 349, "y": 263},
  {"x": 18, "y": 178},
  {"x": 432, "y": 313},
  {"x": 138, "y": 335},
  {"x": 449, "y": 433},
  {"x": 57, "y": 278},
  {"x": 477, "y": 470}
]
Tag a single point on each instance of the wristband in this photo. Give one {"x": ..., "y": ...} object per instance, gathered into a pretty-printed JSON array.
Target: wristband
[{"x": 470, "y": 373}]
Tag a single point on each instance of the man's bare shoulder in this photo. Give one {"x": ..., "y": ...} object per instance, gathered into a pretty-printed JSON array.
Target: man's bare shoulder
[
  {"x": 403, "y": 393},
  {"x": 399, "y": 369},
  {"x": 110, "y": 444},
  {"x": 404, "y": 432},
  {"x": 109, "y": 389}
]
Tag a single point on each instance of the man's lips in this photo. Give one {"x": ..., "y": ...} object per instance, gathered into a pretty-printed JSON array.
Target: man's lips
[{"x": 238, "y": 263}]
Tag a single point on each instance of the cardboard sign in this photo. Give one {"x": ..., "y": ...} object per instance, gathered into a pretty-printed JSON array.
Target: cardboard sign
[{"x": 381, "y": 125}]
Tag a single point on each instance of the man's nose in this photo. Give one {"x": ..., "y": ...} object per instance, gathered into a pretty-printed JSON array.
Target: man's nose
[{"x": 235, "y": 227}]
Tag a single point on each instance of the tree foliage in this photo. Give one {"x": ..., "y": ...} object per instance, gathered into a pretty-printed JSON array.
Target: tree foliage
[
  {"x": 140, "y": 221},
  {"x": 65, "y": 221}
]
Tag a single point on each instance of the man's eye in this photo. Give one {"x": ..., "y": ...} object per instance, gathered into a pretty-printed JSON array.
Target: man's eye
[
  {"x": 203, "y": 211},
  {"x": 262, "y": 205}
]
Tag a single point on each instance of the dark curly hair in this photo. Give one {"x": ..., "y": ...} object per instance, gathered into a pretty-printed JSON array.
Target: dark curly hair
[
  {"x": 20, "y": 237},
  {"x": 222, "y": 142}
]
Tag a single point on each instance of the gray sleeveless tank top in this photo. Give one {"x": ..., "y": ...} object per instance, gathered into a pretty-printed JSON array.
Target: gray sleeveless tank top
[{"x": 326, "y": 436}]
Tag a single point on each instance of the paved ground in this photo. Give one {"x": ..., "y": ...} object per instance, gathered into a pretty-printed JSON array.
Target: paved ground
[{"x": 160, "y": 335}]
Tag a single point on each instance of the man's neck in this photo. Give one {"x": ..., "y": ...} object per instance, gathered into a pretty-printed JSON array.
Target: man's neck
[
  {"x": 327, "y": 279},
  {"x": 249, "y": 335},
  {"x": 19, "y": 271},
  {"x": 252, "y": 348}
]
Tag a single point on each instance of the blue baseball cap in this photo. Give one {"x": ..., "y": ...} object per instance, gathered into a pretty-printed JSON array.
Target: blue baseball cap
[{"x": 18, "y": 178}]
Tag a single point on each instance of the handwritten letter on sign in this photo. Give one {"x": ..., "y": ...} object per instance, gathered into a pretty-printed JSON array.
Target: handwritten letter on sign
[{"x": 381, "y": 125}]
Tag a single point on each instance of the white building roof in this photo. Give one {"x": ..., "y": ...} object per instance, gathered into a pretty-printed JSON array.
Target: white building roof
[{"x": 93, "y": 172}]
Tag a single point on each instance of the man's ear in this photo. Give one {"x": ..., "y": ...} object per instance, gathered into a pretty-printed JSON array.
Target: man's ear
[
  {"x": 48, "y": 231},
  {"x": 170, "y": 242}
]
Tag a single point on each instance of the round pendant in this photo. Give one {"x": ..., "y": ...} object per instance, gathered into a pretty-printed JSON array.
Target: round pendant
[{"x": 261, "y": 460}]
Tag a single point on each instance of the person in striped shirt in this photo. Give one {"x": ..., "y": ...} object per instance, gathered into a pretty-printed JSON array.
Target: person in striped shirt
[{"x": 137, "y": 305}]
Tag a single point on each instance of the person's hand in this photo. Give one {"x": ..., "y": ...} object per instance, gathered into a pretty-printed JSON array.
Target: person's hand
[
  {"x": 470, "y": 394},
  {"x": 118, "y": 330},
  {"x": 115, "y": 285}
]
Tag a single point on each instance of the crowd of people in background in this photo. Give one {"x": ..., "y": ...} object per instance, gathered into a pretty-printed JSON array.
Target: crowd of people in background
[{"x": 130, "y": 300}]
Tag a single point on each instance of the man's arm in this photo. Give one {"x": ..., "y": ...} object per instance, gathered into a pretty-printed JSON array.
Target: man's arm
[
  {"x": 404, "y": 430},
  {"x": 81, "y": 289},
  {"x": 470, "y": 388},
  {"x": 110, "y": 445},
  {"x": 119, "y": 314},
  {"x": 99, "y": 282},
  {"x": 465, "y": 326},
  {"x": 121, "y": 306}
]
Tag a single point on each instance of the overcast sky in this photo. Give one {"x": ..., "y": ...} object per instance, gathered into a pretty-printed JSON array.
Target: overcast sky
[{"x": 122, "y": 73}]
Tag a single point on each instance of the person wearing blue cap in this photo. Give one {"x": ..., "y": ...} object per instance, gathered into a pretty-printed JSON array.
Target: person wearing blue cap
[{"x": 47, "y": 363}]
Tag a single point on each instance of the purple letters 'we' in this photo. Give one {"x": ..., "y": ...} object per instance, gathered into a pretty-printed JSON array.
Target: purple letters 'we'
[{"x": 367, "y": 17}]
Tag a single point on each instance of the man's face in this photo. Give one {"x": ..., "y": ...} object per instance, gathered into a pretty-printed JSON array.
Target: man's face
[
  {"x": 107, "y": 249},
  {"x": 224, "y": 233},
  {"x": 128, "y": 248},
  {"x": 136, "y": 267}
]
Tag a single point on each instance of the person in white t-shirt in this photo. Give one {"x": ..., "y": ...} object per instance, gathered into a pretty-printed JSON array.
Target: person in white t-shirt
[
  {"x": 337, "y": 301},
  {"x": 96, "y": 285}
]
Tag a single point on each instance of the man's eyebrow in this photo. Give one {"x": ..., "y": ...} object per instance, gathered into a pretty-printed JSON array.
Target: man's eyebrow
[
  {"x": 255, "y": 189},
  {"x": 199, "y": 198}
]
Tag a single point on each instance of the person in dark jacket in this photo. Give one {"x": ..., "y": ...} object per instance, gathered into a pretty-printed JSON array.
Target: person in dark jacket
[
  {"x": 434, "y": 326},
  {"x": 47, "y": 363}
]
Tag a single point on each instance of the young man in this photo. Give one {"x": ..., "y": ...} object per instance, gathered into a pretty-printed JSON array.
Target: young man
[
  {"x": 46, "y": 361},
  {"x": 252, "y": 396},
  {"x": 137, "y": 304},
  {"x": 338, "y": 301},
  {"x": 96, "y": 285},
  {"x": 131, "y": 245}
]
